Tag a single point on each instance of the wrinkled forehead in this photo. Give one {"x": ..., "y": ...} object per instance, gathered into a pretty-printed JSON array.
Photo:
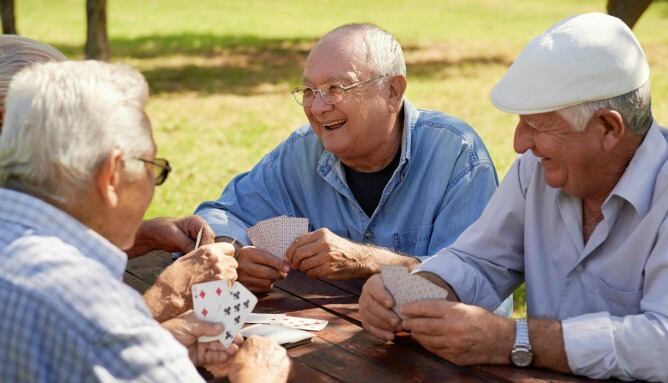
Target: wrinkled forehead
[{"x": 338, "y": 57}]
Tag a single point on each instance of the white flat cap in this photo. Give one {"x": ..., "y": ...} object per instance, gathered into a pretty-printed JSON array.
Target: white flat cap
[{"x": 587, "y": 57}]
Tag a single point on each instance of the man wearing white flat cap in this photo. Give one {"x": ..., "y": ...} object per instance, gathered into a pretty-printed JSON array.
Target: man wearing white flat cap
[{"x": 580, "y": 217}]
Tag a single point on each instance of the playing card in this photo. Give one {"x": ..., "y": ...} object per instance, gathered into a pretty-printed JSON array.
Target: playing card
[
  {"x": 281, "y": 334},
  {"x": 406, "y": 287},
  {"x": 265, "y": 318},
  {"x": 275, "y": 235},
  {"x": 303, "y": 323},
  {"x": 215, "y": 302},
  {"x": 207, "y": 298},
  {"x": 236, "y": 304}
]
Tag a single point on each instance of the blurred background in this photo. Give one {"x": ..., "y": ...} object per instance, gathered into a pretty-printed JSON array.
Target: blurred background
[{"x": 220, "y": 71}]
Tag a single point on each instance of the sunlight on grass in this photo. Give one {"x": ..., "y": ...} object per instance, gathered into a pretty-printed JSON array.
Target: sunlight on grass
[{"x": 220, "y": 71}]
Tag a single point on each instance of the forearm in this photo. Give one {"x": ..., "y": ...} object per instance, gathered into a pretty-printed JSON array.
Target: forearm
[
  {"x": 375, "y": 257},
  {"x": 164, "y": 302},
  {"x": 547, "y": 344}
]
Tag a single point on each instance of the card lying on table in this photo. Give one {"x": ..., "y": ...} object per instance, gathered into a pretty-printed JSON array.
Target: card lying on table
[
  {"x": 286, "y": 336},
  {"x": 288, "y": 321},
  {"x": 215, "y": 302},
  {"x": 275, "y": 235},
  {"x": 406, "y": 287}
]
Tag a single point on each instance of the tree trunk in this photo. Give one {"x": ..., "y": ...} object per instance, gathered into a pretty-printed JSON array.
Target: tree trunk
[
  {"x": 8, "y": 17},
  {"x": 628, "y": 10},
  {"x": 97, "y": 42}
]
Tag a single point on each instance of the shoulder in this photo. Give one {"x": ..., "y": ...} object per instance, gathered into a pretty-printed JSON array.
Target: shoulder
[
  {"x": 49, "y": 274},
  {"x": 449, "y": 135}
]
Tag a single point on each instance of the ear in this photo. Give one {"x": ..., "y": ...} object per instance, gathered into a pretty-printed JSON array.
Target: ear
[
  {"x": 397, "y": 90},
  {"x": 108, "y": 177},
  {"x": 613, "y": 127}
]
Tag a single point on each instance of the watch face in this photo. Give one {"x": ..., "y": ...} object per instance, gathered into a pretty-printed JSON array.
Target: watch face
[{"x": 521, "y": 358}]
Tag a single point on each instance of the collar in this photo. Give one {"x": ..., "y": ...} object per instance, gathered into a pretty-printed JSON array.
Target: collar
[
  {"x": 637, "y": 183},
  {"x": 46, "y": 219},
  {"x": 329, "y": 161}
]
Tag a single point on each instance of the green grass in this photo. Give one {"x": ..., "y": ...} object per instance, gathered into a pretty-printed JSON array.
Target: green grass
[{"x": 220, "y": 70}]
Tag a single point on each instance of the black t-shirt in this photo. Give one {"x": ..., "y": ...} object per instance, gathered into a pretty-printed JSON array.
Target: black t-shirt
[{"x": 368, "y": 187}]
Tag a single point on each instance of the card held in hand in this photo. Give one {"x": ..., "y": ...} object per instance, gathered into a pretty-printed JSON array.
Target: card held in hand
[
  {"x": 275, "y": 235},
  {"x": 215, "y": 302},
  {"x": 406, "y": 287}
]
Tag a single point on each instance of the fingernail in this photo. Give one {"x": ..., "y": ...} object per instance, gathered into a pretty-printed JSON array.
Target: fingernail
[{"x": 286, "y": 267}]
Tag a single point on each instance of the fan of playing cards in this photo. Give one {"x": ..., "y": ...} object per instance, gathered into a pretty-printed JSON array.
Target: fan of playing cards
[
  {"x": 216, "y": 302},
  {"x": 275, "y": 235},
  {"x": 406, "y": 287}
]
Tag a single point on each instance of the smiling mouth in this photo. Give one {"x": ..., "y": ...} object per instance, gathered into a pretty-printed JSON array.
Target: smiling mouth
[{"x": 333, "y": 125}]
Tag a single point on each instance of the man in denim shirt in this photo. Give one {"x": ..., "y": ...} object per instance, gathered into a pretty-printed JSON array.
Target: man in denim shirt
[{"x": 380, "y": 181}]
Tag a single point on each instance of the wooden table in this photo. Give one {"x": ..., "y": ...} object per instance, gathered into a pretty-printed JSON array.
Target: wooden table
[{"x": 343, "y": 351}]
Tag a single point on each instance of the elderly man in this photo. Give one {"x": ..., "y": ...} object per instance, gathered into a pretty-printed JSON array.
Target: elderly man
[
  {"x": 380, "y": 181},
  {"x": 580, "y": 218},
  {"x": 78, "y": 169},
  {"x": 170, "y": 295}
]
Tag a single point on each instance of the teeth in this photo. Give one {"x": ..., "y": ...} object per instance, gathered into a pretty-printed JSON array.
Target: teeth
[{"x": 328, "y": 124}]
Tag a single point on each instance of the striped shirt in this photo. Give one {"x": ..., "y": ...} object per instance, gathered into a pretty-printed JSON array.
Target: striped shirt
[{"x": 65, "y": 314}]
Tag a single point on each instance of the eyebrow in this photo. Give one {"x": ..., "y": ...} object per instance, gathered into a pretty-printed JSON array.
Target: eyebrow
[{"x": 331, "y": 80}]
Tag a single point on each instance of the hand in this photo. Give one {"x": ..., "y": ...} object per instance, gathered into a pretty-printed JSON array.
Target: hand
[
  {"x": 260, "y": 360},
  {"x": 170, "y": 234},
  {"x": 186, "y": 328},
  {"x": 323, "y": 254},
  {"x": 375, "y": 306},
  {"x": 462, "y": 334},
  {"x": 171, "y": 293},
  {"x": 258, "y": 269}
]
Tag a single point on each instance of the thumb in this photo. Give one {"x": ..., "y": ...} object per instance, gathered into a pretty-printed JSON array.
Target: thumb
[{"x": 201, "y": 328}]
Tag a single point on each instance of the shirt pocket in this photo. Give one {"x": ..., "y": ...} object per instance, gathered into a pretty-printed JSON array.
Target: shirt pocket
[
  {"x": 414, "y": 242},
  {"x": 618, "y": 302}
]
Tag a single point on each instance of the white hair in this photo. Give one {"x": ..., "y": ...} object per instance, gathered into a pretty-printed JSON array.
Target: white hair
[
  {"x": 63, "y": 119},
  {"x": 16, "y": 53},
  {"x": 383, "y": 50},
  {"x": 635, "y": 108}
]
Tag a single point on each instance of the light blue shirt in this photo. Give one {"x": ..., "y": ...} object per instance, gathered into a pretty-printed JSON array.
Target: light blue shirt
[
  {"x": 611, "y": 293},
  {"x": 65, "y": 314},
  {"x": 443, "y": 181}
]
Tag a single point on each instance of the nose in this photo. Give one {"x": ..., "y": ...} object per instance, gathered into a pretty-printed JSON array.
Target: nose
[
  {"x": 319, "y": 105},
  {"x": 523, "y": 140}
]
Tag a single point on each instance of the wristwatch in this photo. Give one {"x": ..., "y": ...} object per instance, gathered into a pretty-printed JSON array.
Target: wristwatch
[{"x": 521, "y": 355}]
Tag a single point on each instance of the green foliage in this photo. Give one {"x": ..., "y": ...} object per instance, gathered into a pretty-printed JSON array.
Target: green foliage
[{"x": 220, "y": 70}]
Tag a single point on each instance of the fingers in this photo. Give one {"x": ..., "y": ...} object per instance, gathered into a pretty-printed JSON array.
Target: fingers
[
  {"x": 428, "y": 308},
  {"x": 197, "y": 328},
  {"x": 256, "y": 285},
  {"x": 214, "y": 353},
  {"x": 300, "y": 241},
  {"x": 376, "y": 310},
  {"x": 425, "y": 326},
  {"x": 261, "y": 257}
]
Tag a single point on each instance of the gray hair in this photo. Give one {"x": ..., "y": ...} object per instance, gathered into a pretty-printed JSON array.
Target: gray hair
[
  {"x": 63, "y": 119},
  {"x": 635, "y": 108},
  {"x": 383, "y": 50},
  {"x": 16, "y": 53}
]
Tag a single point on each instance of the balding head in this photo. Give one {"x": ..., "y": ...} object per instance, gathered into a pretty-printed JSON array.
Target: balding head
[{"x": 374, "y": 48}]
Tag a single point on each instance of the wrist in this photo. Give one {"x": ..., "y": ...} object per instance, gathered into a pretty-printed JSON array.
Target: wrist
[{"x": 504, "y": 339}]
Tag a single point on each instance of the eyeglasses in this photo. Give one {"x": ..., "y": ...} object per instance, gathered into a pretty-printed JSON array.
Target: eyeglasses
[
  {"x": 331, "y": 94},
  {"x": 160, "y": 168}
]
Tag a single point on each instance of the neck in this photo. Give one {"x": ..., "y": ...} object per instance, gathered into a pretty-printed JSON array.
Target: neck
[{"x": 384, "y": 153}]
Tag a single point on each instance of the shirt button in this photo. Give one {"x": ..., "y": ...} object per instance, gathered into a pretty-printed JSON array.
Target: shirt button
[
  {"x": 368, "y": 235},
  {"x": 579, "y": 268}
]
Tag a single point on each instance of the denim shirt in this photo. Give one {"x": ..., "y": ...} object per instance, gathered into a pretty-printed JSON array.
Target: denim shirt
[
  {"x": 443, "y": 182},
  {"x": 444, "y": 179}
]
